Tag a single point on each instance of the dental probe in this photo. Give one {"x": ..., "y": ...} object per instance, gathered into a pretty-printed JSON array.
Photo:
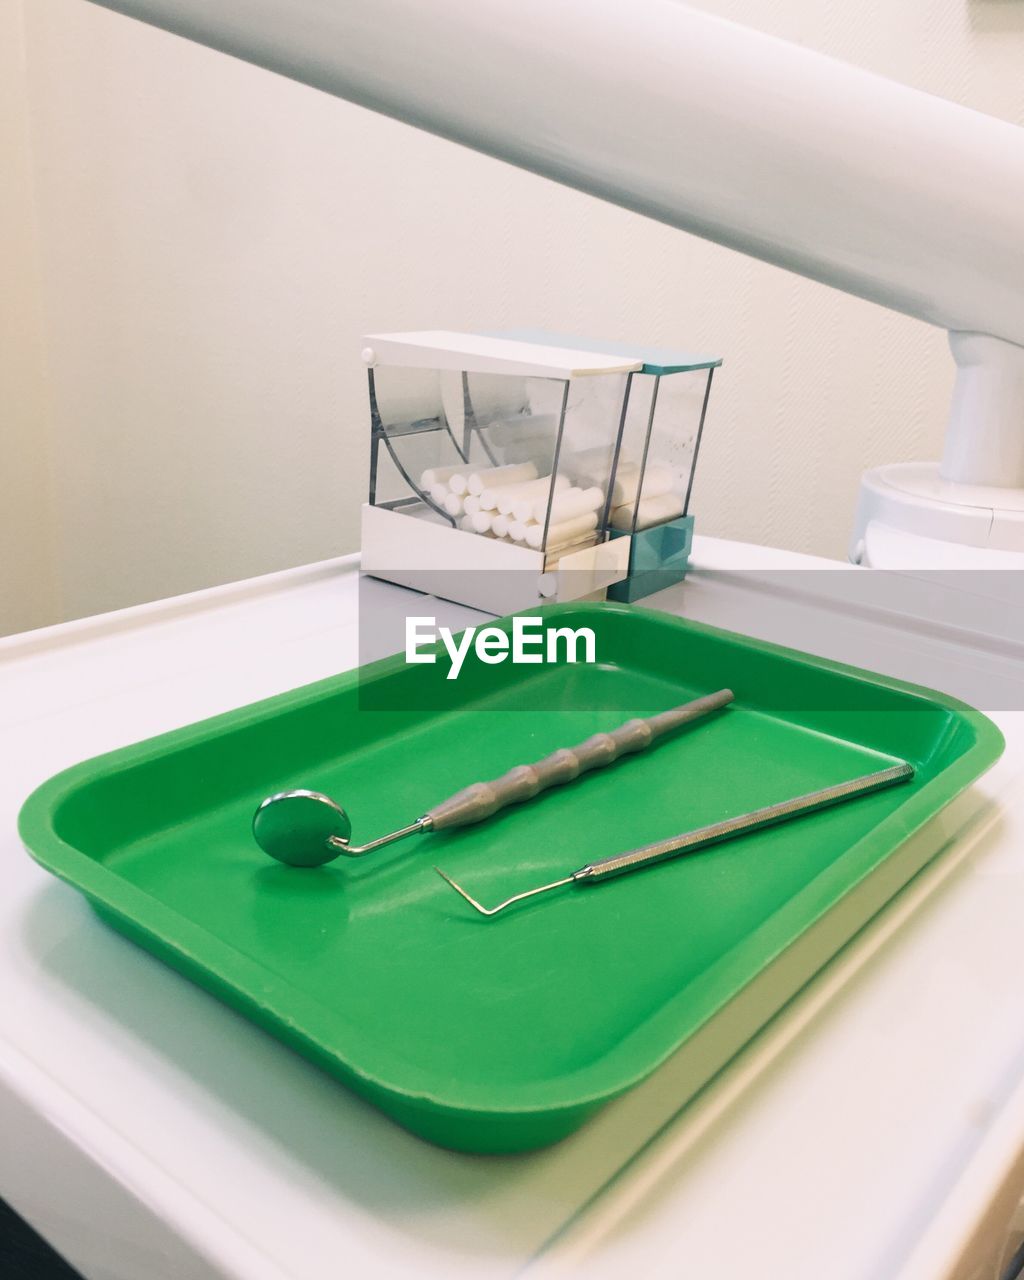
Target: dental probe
[{"x": 619, "y": 863}]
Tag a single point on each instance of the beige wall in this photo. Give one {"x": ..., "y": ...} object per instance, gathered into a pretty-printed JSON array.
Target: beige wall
[
  {"x": 29, "y": 594},
  {"x": 216, "y": 239}
]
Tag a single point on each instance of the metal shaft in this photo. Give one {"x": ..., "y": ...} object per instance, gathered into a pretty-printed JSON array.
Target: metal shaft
[
  {"x": 620, "y": 863},
  {"x": 357, "y": 850}
]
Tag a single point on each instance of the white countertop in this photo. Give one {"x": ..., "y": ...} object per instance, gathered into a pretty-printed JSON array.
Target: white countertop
[{"x": 874, "y": 1129}]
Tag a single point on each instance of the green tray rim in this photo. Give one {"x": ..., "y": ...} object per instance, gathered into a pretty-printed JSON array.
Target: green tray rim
[{"x": 283, "y": 1007}]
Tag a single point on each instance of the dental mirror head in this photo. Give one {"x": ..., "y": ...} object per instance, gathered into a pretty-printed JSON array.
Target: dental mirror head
[{"x": 301, "y": 828}]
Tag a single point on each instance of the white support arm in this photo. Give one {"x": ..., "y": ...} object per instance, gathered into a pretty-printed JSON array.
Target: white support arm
[{"x": 774, "y": 150}]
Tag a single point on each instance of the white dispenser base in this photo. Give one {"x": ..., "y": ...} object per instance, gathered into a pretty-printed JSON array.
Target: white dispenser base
[
  {"x": 908, "y": 517},
  {"x": 485, "y": 573}
]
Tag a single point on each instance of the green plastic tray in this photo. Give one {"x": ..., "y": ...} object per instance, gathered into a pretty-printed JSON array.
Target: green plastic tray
[{"x": 506, "y": 1034}]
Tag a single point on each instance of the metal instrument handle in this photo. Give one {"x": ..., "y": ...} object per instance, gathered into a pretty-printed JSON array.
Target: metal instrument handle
[
  {"x": 670, "y": 847},
  {"x": 482, "y": 799}
]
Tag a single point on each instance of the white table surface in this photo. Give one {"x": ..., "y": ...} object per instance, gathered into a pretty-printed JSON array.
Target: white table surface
[{"x": 874, "y": 1129}]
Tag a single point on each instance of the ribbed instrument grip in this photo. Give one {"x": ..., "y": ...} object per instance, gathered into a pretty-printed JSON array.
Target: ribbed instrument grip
[{"x": 482, "y": 799}]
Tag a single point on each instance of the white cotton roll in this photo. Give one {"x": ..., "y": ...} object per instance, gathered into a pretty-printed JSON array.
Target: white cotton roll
[
  {"x": 521, "y": 503},
  {"x": 518, "y": 529},
  {"x": 469, "y": 525},
  {"x": 453, "y": 504},
  {"x": 492, "y": 499},
  {"x": 650, "y": 511},
  {"x": 627, "y": 481},
  {"x": 658, "y": 480},
  {"x": 566, "y": 505},
  {"x": 459, "y": 483},
  {"x": 439, "y": 492},
  {"x": 439, "y": 475},
  {"x": 499, "y": 525},
  {"x": 498, "y": 477},
  {"x": 563, "y": 532},
  {"x": 522, "y": 509},
  {"x": 471, "y": 504},
  {"x": 481, "y": 521},
  {"x": 540, "y": 488},
  {"x": 507, "y": 500},
  {"x": 626, "y": 471}
]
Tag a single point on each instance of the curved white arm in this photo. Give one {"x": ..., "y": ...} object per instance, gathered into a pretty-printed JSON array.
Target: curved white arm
[
  {"x": 806, "y": 162},
  {"x": 828, "y": 170}
]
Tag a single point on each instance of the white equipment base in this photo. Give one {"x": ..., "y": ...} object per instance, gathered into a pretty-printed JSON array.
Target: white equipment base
[{"x": 908, "y": 517}]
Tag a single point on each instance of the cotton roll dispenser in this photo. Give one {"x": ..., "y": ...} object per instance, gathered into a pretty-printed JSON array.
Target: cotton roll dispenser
[{"x": 495, "y": 477}]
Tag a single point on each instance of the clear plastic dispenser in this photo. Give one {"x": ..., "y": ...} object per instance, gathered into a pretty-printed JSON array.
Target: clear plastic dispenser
[
  {"x": 508, "y": 469},
  {"x": 652, "y": 489}
]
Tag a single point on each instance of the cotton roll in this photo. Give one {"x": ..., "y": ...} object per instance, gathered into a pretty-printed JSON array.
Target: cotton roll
[
  {"x": 566, "y": 505},
  {"x": 509, "y": 496},
  {"x": 627, "y": 477},
  {"x": 498, "y": 477},
  {"x": 493, "y": 499},
  {"x": 439, "y": 492},
  {"x": 625, "y": 472},
  {"x": 657, "y": 481},
  {"x": 507, "y": 500},
  {"x": 471, "y": 504},
  {"x": 469, "y": 525},
  {"x": 481, "y": 522},
  {"x": 499, "y": 525},
  {"x": 453, "y": 504},
  {"x": 563, "y": 532},
  {"x": 459, "y": 483},
  {"x": 439, "y": 475},
  {"x": 649, "y": 512},
  {"x": 627, "y": 481},
  {"x": 537, "y": 492},
  {"x": 517, "y": 530},
  {"x": 513, "y": 494}
]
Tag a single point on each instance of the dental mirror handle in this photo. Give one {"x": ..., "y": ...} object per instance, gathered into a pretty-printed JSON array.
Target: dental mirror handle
[
  {"x": 482, "y": 800},
  {"x": 304, "y": 828}
]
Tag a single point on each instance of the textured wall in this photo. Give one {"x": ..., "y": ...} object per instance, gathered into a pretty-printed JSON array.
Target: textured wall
[
  {"x": 28, "y": 584},
  {"x": 216, "y": 239}
]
